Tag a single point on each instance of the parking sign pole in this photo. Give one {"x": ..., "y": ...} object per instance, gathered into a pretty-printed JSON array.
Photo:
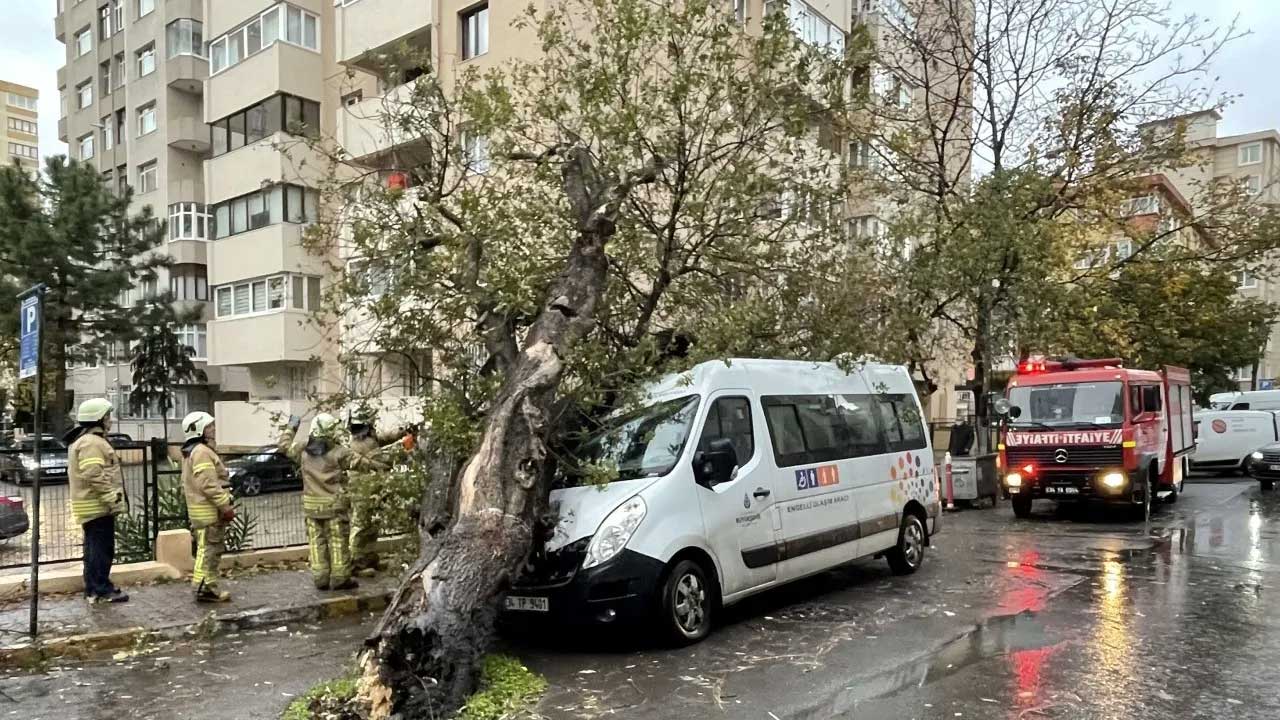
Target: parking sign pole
[{"x": 32, "y": 323}]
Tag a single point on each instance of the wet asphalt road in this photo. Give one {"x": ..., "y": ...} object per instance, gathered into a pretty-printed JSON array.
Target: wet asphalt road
[{"x": 1061, "y": 616}]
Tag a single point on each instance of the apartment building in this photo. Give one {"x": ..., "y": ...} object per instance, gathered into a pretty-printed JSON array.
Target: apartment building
[
  {"x": 19, "y": 134},
  {"x": 1251, "y": 160},
  {"x": 132, "y": 106}
]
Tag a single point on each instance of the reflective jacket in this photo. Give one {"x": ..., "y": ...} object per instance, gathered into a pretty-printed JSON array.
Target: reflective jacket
[
  {"x": 324, "y": 474},
  {"x": 97, "y": 487},
  {"x": 205, "y": 483}
]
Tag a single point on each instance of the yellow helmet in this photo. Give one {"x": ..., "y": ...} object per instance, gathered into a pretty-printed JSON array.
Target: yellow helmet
[
  {"x": 324, "y": 424},
  {"x": 194, "y": 424},
  {"x": 93, "y": 410}
]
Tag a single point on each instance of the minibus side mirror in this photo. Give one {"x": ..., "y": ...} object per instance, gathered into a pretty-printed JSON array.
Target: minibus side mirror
[{"x": 715, "y": 465}]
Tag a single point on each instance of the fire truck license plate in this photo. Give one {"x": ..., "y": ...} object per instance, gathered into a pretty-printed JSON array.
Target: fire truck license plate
[
  {"x": 1062, "y": 491},
  {"x": 527, "y": 604}
]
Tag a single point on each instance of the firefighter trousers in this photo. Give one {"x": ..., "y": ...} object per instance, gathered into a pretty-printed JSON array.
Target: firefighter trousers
[
  {"x": 364, "y": 533},
  {"x": 329, "y": 540},
  {"x": 210, "y": 544}
]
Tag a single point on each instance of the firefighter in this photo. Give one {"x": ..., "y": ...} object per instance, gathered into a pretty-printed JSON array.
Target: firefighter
[
  {"x": 205, "y": 482},
  {"x": 325, "y": 504},
  {"x": 369, "y": 463},
  {"x": 97, "y": 496}
]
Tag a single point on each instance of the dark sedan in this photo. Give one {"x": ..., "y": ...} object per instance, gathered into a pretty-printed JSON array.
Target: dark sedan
[
  {"x": 1264, "y": 465},
  {"x": 264, "y": 470},
  {"x": 18, "y": 462}
]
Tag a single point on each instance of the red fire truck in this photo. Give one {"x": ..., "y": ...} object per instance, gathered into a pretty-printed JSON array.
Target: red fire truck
[{"x": 1080, "y": 430}]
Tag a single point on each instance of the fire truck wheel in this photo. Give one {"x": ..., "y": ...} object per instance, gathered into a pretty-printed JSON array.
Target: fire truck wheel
[
  {"x": 1021, "y": 506},
  {"x": 1143, "y": 511}
]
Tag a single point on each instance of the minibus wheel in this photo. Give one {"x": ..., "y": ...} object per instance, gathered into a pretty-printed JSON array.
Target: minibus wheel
[
  {"x": 688, "y": 598},
  {"x": 907, "y": 556}
]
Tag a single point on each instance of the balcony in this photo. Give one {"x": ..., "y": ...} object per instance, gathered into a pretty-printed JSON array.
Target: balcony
[
  {"x": 62, "y": 129},
  {"x": 187, "y": 132},
  {"x": 265, "y": 251},
  {"x": 59, "y": 28},
  {"x": 274, "y": 159},
  {"x": 362, "y": 129},
  {"x": 366, "y": 27},
  {"x": 189, "y": 252},
  {"x": 62, "y": 77},
  {"x": 277, "y": 336},
  {"x": 250, "y": 424},
  {"x": 280, "y": 68},
  {"x": 187, "y": 73}
]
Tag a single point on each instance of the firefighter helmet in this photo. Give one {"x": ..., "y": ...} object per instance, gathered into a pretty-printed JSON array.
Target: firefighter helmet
[
  {"x": 93, "y": 410},
  {"x": 323, "y": 425},
  {"x": 194, "y": 424}
]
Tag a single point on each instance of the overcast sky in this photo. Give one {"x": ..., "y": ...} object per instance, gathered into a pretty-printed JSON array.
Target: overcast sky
[{"x": 30, "y": 55}]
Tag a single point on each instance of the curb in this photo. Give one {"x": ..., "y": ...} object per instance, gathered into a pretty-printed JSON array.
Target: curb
[{"x": 31, "y": 654}]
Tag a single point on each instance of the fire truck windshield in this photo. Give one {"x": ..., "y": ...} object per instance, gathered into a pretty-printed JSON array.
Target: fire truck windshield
[{"x": 1068, "y": 404}]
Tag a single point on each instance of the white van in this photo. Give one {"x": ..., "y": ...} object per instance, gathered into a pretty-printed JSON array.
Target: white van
[
  {"x": 1246, "y": 400},
  {"x": 735, "y": 477},
  {"x": 1226, "y": 438}
]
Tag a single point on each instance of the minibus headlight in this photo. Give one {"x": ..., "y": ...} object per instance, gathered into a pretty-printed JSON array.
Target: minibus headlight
[
  {"x": 614, "y": 532},
  {"x": 1257, "y": 455}
]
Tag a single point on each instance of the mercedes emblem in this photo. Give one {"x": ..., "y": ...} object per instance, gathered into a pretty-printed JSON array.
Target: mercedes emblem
[{"x": 1060, "y": 455}]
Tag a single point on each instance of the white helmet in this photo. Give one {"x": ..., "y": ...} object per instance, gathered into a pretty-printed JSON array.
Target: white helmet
[
  {"x": 194, "y": 424},
  {"x": 324, "y": 424},
  {"x": 93, "y": 410}
]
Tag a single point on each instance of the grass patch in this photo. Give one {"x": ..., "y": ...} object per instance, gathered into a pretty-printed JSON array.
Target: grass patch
[
  {"x": 506, "y": 687},
  {"x": 328, "y": 699}
]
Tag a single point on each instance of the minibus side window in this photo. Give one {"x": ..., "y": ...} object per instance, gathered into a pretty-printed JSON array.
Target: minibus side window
[
  {"x": 903, "y": 426},
  {"x": 730, "y": 418},
  {"x": 808, "y": 429}
]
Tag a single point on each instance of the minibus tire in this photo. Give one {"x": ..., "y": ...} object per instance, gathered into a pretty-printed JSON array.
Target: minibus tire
[
  {"x": 1021, "y": 506},
  {"x": 686, "y": 579},
  {"x": 908, "y": 555},
  {"x": 1268, "y": 485}
]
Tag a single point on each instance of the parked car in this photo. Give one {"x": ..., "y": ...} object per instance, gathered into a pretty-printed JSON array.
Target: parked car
[
  {"x": 264, "y": 470},
  {"x": 13, "y": 517},
  {"x": 118, "y": 439},
  {"x": 1227, "y": 437},
  {"x": 18, "y": 462}
]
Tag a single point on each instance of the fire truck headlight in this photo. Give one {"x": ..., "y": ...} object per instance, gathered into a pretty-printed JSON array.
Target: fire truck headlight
[
  {"x": 1114, "y": 480},
  {"x": 1013, "y": 480}
]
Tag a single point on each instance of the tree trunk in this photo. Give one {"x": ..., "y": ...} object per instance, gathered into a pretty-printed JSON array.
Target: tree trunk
[{"x": 424, "y": 657}]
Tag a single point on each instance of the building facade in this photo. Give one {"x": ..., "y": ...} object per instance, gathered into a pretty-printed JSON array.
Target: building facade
[
  {"x": 19, "y": 133},
  {"x": 1251, "y": 161},
  {"x": 132, "y": 93}
]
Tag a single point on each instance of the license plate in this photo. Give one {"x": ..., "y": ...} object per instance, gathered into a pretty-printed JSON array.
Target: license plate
[
  {"x": 1062, "y": 491},
  {"x": 1274, "y": 468},
  {"x": 527, "y": 604}
]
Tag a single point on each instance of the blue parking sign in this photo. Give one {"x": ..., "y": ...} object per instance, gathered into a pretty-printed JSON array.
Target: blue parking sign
[{"x": 28, "y": 336}]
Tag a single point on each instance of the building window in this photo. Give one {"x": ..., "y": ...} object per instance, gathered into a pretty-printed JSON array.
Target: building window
[
  {"x": 281, "y": 23},
  {"x": 1253, "y": 184},
  {"x": 22, "y": 126},
  {"x": 271, "y": 206},
  {"x": 278, "y": 113},
  {"x": 104, "y": 78},
  {"x": 475, "y": 149},
  {"x": 84, "y": 42},
  {"x": 148, "y": 179},
  {"x": 120, "y": 70},
  {"x": 865, "y": 227},
  {"x": 812, "y": 27},
  {"x": 86, "y": 147},
  {"x": 189, "y": 284},
  {"x": 24, "y": 151},
  {"x": 185, "y": 37},
  {"x": 25, "y": 102},
  {"x": 860, "y": 155},
  {"x": 118, "y": 14},
  {"x": 146, "y": 7},
  {"x": 122, "y": 177},
  {"x": 146, "y": 60},
  {"x": 1145, "y": 205},
  {"x": 188, "y": 221},
  {"x": 104, "y": 22},
  {"x": 475, "y": 31},
  {"x": 85, "y": 92},
  {"x": 266, "y": 295},
  {"x": 147, "y": 119},
  {"x": 1251, "y": 154},
  {"x": 108, "y": 133},
  {"x": 1246, "y": 280},
  {"x": 195, "y": 337},
  {"x": 121, "y": 131}
]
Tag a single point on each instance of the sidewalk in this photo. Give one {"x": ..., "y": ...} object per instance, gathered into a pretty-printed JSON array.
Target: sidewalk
[{"x": 69, "y": 625}]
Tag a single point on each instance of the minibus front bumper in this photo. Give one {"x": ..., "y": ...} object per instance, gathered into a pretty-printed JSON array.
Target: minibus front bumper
[{"x": 621, "y": 591}]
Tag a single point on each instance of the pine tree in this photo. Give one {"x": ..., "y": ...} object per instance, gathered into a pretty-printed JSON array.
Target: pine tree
[
  {"x": 161, "y": 360},
  {"x": 68, "y": 230}
]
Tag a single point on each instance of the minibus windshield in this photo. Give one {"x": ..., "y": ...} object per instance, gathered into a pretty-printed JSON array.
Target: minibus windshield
[{"x": 646, "y": 443}]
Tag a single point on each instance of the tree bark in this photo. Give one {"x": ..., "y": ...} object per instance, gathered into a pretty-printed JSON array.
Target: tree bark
[{"x": 423, "y": 659}]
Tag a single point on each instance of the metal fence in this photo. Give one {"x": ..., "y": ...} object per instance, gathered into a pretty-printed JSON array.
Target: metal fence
[{"x": 267, "y": 490}]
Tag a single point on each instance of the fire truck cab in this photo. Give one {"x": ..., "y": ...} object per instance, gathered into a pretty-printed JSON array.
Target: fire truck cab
[{"x": 1079, "y": 430}]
